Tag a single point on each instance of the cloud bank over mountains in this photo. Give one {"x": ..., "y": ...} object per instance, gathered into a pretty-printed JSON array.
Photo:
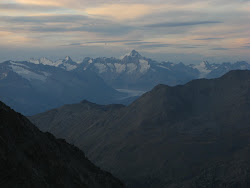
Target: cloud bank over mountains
[{"x": 159, "y": 26}]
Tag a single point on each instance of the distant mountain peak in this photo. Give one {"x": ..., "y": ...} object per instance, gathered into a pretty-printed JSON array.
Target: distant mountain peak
[
  {"x": 67, "y": 58},
  {"x": 204, "y": 63},
  {"x": 134, "y": 53}
]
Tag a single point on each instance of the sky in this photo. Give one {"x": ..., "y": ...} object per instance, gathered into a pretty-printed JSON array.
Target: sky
[{"x": 171, "y": 30}]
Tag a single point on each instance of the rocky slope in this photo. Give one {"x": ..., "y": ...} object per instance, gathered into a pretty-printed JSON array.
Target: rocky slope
[
  {"x": 192, "y": 135},
  {"x": 30, "y": 158}
]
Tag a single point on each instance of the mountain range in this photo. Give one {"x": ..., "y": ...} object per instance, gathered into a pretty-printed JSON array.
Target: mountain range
[
  {"x": 186, "y": 136},
  {"x": 30, "y": 158},
  {"x": 37, "y": 85},
  {"x": 135, "y": 72}
]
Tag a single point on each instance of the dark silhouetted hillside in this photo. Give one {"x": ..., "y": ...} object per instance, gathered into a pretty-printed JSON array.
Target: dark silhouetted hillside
[
  {"x": 192, "y": 135},
  {"x": 30, "y": 158}
]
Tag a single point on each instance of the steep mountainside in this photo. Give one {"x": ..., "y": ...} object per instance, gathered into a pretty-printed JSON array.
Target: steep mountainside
[
  {"x": 33, "y": 88},
  {"x": 30, "y": 158},
  {"x": 192, "y": 135}
]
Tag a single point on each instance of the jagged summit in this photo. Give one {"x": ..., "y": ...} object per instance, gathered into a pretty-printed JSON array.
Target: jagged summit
[
  {"x": 205, "y": 63},
  {"x": 67, "y": 58},
  {"x": 134, "y": 53}
]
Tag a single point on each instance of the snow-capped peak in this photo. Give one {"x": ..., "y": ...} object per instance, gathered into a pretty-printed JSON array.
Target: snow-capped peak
[
  {"x": 67, "y": 58},
  {"x": 133, "y": 54},
  {"x": 204, "y": 68},
  {"x": 67, "y": 63},
  {"x": 204, "y": 64}
]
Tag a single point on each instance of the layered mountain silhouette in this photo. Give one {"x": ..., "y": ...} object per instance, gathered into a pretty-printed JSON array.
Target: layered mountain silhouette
[
  {"x": 43, "y": 84},
  {"x": 192, "y": 135},
  {"x": 30, "y": 158},
  {"x": 32, "y": 88}
]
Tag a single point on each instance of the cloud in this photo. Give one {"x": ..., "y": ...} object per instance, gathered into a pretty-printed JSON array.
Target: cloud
[
  {"x": 153, "y": 26},
  {"x": 28, "y": 7},
  {"x": 220, "y": 48},
  {"x": 156, "y": 45},
  {"x": 165, "y": 45},
  {"x": 40, "y": 2},
  {"x": 139, "y": 43},
  {"x": 44, "y": 19},
  {"x": 111, "y": 41},
  {"x": 120, "y": 11},
  {"x": 62, "y": 24},
  {"x": 209, "y": 38},
  {"x": 101, "y": 42},
  {"x": 188, "y": 47},
  {"x": 246, "y": 47},
  {"x": 182, "y": 24}
]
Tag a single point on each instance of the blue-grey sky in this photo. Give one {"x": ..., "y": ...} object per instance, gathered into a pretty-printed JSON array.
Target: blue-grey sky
[{"x": 171, "y": 30}]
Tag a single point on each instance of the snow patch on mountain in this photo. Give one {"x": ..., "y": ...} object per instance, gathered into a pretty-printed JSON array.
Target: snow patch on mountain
[
  {"x": 144, "y": 66},
  {"x": 101, "y": 67},
  {"x": 90, "y": 61},
  {"x": 43, "y": 61},
  {"x": 68, "y": 67},
  {"x": 111, "y": 67},
  {"x": 34, "y": 61},
  {"x": 131, "y": 67},
  {"x": 46, "y": 61},
  {"x": 162, "y": 66},
  {"x": 120, "y": 67},
  {"x": 3, "y": 75},
  {"x": 65, "y": 63},
  {"x": 18, "y": 64},
  {"x": 67, "y": 58},
  {"x": 122, "y": 57},
  {"x": 27, "y": 74}
]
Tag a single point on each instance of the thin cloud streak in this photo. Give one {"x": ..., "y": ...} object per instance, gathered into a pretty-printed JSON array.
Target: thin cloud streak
[
  {"x": 209, "y": 39},
  {"x": 101, "y": 42},
  {"x": 220, "y": 49},
  {"x": 28, "y": 7},
  {"x": 44, "y": 19},
  {"x": 182, "y": 24}
]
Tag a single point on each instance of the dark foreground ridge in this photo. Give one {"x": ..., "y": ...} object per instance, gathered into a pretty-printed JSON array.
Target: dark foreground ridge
[
  {"x": 188, "y": 136},
  {"x": 30, "y": 158}
]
